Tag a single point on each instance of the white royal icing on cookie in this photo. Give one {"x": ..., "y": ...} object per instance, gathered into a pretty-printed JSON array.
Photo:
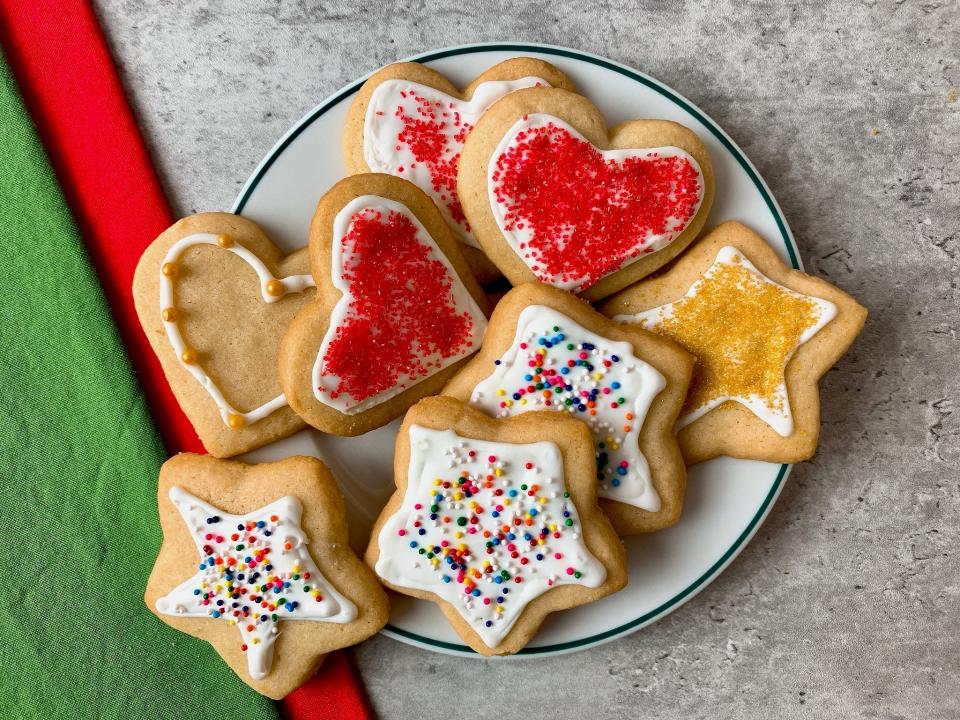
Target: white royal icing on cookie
[
  {"x": 519, "y": 235},
  {"x": 248, "y": 565},
  {"x": 385, "y": 146},
  {"x": 780, "y": 420},
  {"x": 556, "y": 364},
  {"x": 289, "y": 284},
  {"x": 459, "y": 489},
  {"x": 324, "y": 382}
]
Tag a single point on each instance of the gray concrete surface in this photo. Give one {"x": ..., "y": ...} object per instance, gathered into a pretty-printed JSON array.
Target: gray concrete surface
[{"x": 846, "y": 603}]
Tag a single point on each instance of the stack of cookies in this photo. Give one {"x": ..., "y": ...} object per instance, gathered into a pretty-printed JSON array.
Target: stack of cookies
[{"x": 534, "y": 293}]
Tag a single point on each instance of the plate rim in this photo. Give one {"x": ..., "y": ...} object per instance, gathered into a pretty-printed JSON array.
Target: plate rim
[{"x": 696, "y": 586}]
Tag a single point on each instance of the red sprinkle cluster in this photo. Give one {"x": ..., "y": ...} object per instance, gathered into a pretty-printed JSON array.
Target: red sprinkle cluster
[
  {"x": 435, "y": 133},
  {"x": 586, "y": 214},
  {"x": 402, "y": 320}
]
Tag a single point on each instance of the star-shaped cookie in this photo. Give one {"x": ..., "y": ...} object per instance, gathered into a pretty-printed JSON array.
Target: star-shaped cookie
[
  {"x": 255, "y": 560},
  {"x": 496, "y": 521},
  {"x": 763, "y": 335}
]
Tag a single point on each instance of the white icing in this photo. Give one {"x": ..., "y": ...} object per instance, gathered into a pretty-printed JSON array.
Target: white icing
[
  {"x": 443, "y": 454},
  {"x": 286, "y": 563},
  {"x": 384, "y": 152},
  {"x": 781, "y": 420},
  {"x": 519, "y": 237},
  {"x": 291, "y": 284},
  {"x": 637, "y": 382},
  {"x": 463, "y": 300}
]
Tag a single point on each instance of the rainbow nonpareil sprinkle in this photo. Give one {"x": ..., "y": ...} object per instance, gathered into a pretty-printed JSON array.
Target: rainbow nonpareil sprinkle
[{"x": 557, "y": 364}]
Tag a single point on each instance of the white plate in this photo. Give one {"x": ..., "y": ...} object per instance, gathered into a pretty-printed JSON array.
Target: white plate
[{"x": 726, "y": 500}]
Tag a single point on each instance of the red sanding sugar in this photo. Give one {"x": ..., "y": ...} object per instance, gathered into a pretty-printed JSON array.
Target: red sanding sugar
[
  {"x": 402, "y": 320},
  {"x": 587, "y": 215},
  {"x": 428, "y": 134}
]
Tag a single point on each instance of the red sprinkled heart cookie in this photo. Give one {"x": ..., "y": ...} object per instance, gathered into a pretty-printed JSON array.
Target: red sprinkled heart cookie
[
  {"x": 553, "y": 195},
  {"x": 409, "y": 121},
  {"x": 397, "y": 310},
  {"x": 384, "y": 243}
]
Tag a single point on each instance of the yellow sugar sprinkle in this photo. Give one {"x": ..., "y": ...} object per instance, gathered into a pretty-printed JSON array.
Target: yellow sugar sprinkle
[
  {"x": 501, "y": 392},
  {"x": 743, "y": 330}
]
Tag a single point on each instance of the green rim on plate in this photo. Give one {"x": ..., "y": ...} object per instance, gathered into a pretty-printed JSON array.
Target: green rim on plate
[{"x": 701, "y": 582}]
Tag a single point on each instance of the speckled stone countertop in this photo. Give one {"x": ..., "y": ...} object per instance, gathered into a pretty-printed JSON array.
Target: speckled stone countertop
[{"x": 847, "y": 602}]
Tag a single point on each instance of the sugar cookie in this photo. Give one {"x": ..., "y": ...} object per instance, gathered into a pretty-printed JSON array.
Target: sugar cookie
[
  {"x": 214, "y": 296},
  {"x": 496, "y": 521},
  {"x": 396, "y": 313},
  {"x": 553, "y": 195},
  {"x": 763, "y": 335},
  {"x": 255, "y": 561}
]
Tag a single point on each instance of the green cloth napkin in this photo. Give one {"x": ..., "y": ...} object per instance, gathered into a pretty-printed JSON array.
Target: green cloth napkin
[{"x": 79, "y": 458}]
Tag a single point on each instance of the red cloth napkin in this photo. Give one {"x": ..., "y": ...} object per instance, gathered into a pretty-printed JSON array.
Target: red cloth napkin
[{"x": 68, "y": 80}]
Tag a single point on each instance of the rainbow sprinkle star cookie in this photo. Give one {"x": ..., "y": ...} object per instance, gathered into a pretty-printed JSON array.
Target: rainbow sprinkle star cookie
[
  {"x": 546, "y": 350},
  {"x": 496, "y": 521},
  {"x": 763, "y": 335},
  {"x": 255, "y": 561}
]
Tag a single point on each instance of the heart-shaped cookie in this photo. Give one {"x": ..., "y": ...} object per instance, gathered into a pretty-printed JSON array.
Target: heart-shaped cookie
[
  {"x": 553, "y": 195},
  {"x": 397, "y": 310},
  {"x": 410, "y": 121},
  {"x": 214, "y": 296}
]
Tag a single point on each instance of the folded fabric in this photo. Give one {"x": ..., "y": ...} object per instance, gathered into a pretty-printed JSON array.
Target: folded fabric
[{"x": 79, "y": 458}]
